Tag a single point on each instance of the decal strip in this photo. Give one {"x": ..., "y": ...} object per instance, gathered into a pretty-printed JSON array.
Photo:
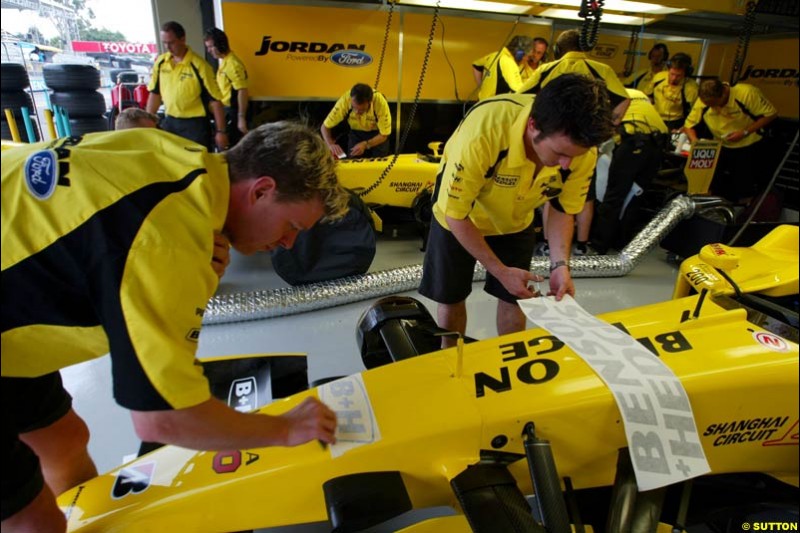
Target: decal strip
[
  {"x": 356, "y": 425},
  {"x": 659, "y": 425}
]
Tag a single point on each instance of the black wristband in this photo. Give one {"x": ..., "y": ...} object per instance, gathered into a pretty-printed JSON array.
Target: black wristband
[{"x": 557, "y": 264}]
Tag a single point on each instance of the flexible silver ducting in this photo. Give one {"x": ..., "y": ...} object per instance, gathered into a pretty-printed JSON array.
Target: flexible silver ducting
[{"x": 255, "y": 305}]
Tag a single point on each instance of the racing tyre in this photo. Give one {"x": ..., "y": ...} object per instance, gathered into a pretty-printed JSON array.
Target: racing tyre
[
  {"x": 80, "y": 104},
  {"x": 15, "y": 100},
  {"x": 66, "y": 77},
  {"x": 5, "y": 131},
  {"x": 81, "y": 126},
  {"x": 13, "y": 77}
]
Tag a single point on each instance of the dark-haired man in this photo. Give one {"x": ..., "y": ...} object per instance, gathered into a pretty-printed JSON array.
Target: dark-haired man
[
  {"x": 232, "y": 82},
  {"x": 367, "y": 113},
  {"x": 115, "y": 255},
  {"x": 185, "y": 83},
  {"x": 674, "y": 92},
  {"x": 510, "y": 154}
]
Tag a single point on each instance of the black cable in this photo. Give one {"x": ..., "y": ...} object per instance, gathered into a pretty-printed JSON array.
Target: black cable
[
  {"x": 744, "y": 41},
  {"x": 413, "y": 111},
  {"x": 449, "y": 64},
  {"x": 385, "y": 41},
  {"x": 591, "y": 11}
]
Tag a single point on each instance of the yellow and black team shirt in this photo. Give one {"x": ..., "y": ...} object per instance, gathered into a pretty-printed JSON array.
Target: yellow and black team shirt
[
  {"x": 746, "y": 104},
  {"x": 671, "y": 100},
  {"x": 485, "y": 175},
  {"x": 107, "y": 243},
  {"x": 576, "y": 63},
  {"x": 378, "y": 117},
  {"x": 501, "y": 74},
  {"x": 642, "y": 80},
  {"x": 187, "y": 87},
  {"x": 641, "y": 116},
  {"x": 231, "y": 78},
  {"x": 525, "y": 71}
]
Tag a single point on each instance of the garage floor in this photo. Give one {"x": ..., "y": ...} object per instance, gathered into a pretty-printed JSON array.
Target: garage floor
[{"x": 327, "y": 336}]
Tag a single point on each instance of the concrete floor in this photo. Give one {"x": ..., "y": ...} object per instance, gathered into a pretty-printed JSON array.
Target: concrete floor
[{"x": 328, "y": 337}]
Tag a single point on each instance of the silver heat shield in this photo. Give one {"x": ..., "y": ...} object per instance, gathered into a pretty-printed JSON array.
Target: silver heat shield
[{"x": 269, "y": 303}]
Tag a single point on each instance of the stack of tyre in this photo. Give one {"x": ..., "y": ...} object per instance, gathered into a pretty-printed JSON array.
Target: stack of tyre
[
  {"x": 75, "y": 89},
  {"x": 14, "y": 96}
]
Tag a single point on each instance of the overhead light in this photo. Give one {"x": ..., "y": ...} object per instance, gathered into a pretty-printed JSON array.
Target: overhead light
[
  {"x": 609, "y": 18},
  {"x": 473, "y": 5},
  {"x": 626, "y": 6}
]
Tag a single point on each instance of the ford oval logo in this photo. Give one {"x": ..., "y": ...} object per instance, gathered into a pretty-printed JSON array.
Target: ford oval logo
[
  {"x": 41, "y": 173},
  {"x": 351, "y": 58}
]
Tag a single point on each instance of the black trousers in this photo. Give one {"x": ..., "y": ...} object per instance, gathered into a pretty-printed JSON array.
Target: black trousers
[
  {"x": 744, "y": 172},
  {"x": 197, "y": 129},
  {"x": 636, "y": 159},
  {"x": 356, "y": 136}
]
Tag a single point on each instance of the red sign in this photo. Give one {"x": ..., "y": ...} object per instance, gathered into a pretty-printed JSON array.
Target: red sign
[{"x": 119, "y": 47}]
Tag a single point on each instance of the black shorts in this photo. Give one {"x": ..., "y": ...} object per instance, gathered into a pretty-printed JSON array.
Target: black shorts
[
  {"x": 197, "y": 129},
  {"x": 448, "y": 268},
  {"x": 28, "y": 404}
]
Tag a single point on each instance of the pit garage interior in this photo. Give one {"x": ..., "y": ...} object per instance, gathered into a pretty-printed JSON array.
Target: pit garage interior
[{"x": 426, "y": 110}]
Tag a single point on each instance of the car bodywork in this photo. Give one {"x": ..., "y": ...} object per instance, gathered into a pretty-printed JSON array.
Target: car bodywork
[{"x": 409, "y": 429}]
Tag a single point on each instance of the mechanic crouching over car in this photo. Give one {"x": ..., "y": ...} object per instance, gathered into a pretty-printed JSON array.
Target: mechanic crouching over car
[{"x": 107, "y": 247}]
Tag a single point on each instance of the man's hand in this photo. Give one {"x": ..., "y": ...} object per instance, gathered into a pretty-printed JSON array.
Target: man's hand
[
  {"x": 358, "y": 149},
  {"x": 221, "y": 140},
  {"x": 561, "y": 283},
  {"x": 336, "y": 150},
  {"x": 516, "y": 281},
  {"x": 310, "y": 420},
  {"x": 221, "y": 256}
]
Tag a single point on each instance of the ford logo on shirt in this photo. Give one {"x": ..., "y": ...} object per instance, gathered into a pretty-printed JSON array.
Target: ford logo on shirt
[
  {"x": 351, "y": 58},
  {"x": 41, "y": 173}
]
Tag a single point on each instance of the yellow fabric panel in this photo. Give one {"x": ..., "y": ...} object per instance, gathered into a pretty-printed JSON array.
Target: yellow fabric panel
[
  {"x": 503, "y": 203},
  {"x": 495, "y": 65},
  {"x": 730, "y": 117},
  {"x": 231, "y": 75},
  {"x": 56, "y": 347},
  {"x": 179, "y": 86},
  {"x": 642, "y": 80}
]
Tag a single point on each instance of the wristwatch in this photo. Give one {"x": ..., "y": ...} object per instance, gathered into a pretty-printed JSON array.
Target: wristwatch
[{"x": 557, "y": 264}]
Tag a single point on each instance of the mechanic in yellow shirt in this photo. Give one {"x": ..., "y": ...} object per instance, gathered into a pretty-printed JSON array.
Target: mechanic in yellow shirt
[
  {"x": 107, "y": 247},
  {"x": 499, "y": 72},
  {"x": 636, "y": 159},
  {"x": 185, "y": 83},
  {"x": 510, "y": 154},
  {"x": 367, "y": 114},
  {"x": 570, "y": 59},
  {"x": 736, "y": 116},
  {"x": 642, "y": 80},
  {"x": 674, "y": 92},
  {"x": 232, "y": 82},
  {"x": 536, "y": 58}
]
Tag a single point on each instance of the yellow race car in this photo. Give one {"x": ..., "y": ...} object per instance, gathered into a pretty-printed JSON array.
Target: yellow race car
[{"x": 479, "y": 426}]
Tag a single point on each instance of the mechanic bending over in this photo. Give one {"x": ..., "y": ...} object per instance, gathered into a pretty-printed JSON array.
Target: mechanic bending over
[
  {"x": 367, "y": 113},
  {"x": 232, "y": 82},
  {"x": 185, "y": 83},
  {"x": 511, "y": 154},
  {"x": 113, "y": 255},
  {"x": 736, "y": 115}
]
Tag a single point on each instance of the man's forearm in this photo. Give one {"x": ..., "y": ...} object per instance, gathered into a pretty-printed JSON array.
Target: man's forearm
[
  {"x": 560, "y": 227},
  {"x": 153, "y": 102},
  {"x": 243, "y": 99},
  {"x": 219, "y": 115},
  {"x": 326, "y": 134}
]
